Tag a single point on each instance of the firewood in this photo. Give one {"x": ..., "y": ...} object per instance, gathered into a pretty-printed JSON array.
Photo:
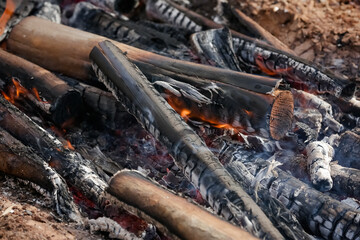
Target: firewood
[
  {"x": 299, "y": 72},
  {"x": 347, "y": 154},
  {"x": 259, "y": 31},
  {"x": 321, "y": 214},
  {"x": 215, "y": 48},
  {"x": 319, "y": 156},
  {"x": 346, "y": 180},
  {"x": 44, "y": 45},
  {"x": 182, "y": 218},
  {"x": 71, "y": 166},
  {"x": 131, "y": 87},
  {"x": 20, "y": 161},
  {"x": 66, "y": 101}
]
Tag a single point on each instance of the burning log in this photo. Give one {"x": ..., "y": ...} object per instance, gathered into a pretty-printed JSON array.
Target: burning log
[
  {"x": 20, "y": 161},
  {"x": 183, "y": 219},
  {"x": 300, "y": 73},
  {"x": 67, "y": 103},
  {"x": 215, "y": 48},
  {"x": 204, "y": 170},
  {"x": 43, "y": 47},
  {"x": 76, "y": 170},
  {"x": 319, "y": 156},
  {"x": 321, "y": 214}
]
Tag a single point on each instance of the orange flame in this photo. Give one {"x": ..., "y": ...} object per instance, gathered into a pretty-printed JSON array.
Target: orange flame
[
  {"x": 196, "y": 113},
  {"x": 5, "y": 17},
  {"x": 69, "y": 146},
  {"x": 37, "y": 95},
  {"x": 15, "y": 92},
  {"x": 265, "y": 69}
]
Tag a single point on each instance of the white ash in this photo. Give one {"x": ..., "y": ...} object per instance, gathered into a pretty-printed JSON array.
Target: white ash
[
  {"x": 104, "y": 224},
  {"x": 319, "y": 156},
  {"x": 50, "y": 12},
  {"x": 304, "y": 100}
]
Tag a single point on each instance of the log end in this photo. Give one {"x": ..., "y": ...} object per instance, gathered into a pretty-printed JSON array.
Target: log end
[{"x": 282, "y": 113}]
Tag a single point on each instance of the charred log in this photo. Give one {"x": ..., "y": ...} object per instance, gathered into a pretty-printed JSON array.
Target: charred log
[
  {"x": 299, "y": 72},
  {"x": 20, "y": 161},
  {"x": 215, "y": 48},
  {"x": 347, "y": 154},
  {"x": 89, "y": 18},
  {"x": 71, "y": 166},
  {"x": 346, "y": 180},
  {"x": 204, "y": 170},
  {"x": 185, "y": 220}
]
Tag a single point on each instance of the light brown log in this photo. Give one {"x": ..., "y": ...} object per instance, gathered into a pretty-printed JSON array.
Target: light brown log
[
  {"x": 259, "y": 31},
  {"x": 66, "y": 50},
  {"x": 182, "y": 218}
]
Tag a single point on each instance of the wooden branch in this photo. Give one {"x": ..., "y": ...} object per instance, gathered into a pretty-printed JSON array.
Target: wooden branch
[
  {"x": 259, "y": 31},
  {"x": 76, "y": 170},
  {"x": 43, "y": 45},
  {"x": 20, "y": 161},
  {"x": 131, "y": 87},
  {"x": 182, "y": 218},
  {"x": 66, "y": 101}
]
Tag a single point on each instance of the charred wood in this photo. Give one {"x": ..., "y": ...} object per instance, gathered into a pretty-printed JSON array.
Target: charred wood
[
  {"x": 319, "y": 156},
  {"x": 321, "y": 214},
  {"x": 204, "y": 170},
  {"x": 75, "y": 62},
  {"x": 185, "y": 220},
  {"x": 49, "y": 11},
  {"x": 67, "y": 104},
  {"x": 299, "y": 72},
  {"x": 70, "y": 165},
  {"x": 117, "y": 6},
  {"x": 348, "y": 151},
  {"x": 215, "y": 48},
  {"x": 20, "y": 161},
  {"x": 89, "y": 18},
  {"x": 346, "y": 180}
]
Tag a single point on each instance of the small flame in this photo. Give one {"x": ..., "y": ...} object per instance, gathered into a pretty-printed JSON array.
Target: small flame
[
  {"x": 15, "y": 92},
  {"x": 260, "y": 62},
  {"x": 37, "y": 95},
  {"x": 5, "y": 17},
  {"x": 69, "y": 145}
]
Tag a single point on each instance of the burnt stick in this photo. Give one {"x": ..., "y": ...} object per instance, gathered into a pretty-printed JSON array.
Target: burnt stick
[
  {"x": 188, "y": 221},
  {"x": 20, "y": 161},
  {"x": 191, "y": 154}
]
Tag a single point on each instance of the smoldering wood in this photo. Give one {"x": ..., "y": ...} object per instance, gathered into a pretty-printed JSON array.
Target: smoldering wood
[
  {"x": 299, "y": 72},
  {"x": 321, "y": 214},
  {"x": 319, "y": 156},
  {"x": 20, "y": 161},
  {"x": 346, "y": 180},
  {"x": 259, "y": 31},
  {"x": 70, "y": 165},
  {"x": 66, "y": 101},
  {"x": 75, "y": 62},
  {"x": 20, "y": 8},
  {"x": 348, "y": 151},
  {"x": 92, "y": 19},
  {"x": 191, "y": 154},
  {"x": 178, "y": 215},
  {"x": 215, "y": 48}
]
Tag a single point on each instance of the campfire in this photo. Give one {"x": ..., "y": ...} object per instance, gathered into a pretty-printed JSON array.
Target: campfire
[{"x": 154, "y": 119}]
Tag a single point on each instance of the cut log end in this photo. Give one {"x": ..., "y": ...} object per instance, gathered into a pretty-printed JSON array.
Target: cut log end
[{"x": 282, "y": 113}]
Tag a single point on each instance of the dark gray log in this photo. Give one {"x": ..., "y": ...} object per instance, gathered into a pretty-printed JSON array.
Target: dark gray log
[
  {"x": 204, "y": 170},
  {"x": 348, "y": 152},
  {"x": 20, "y": 161},
  {"x": 346, "y": 181}
]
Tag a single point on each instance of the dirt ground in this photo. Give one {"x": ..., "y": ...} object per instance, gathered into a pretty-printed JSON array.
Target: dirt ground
[{"x": 25, "y": 214}]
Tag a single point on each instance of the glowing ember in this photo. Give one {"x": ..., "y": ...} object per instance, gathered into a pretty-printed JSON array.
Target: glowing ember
[
  {"x": 260, "y": 62},
  {"x": 5, "y": 17},
  {"x": 37, "y": 95},
  {"x": 69, "y": 146},
  {"x": 15, "y": 91}
]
